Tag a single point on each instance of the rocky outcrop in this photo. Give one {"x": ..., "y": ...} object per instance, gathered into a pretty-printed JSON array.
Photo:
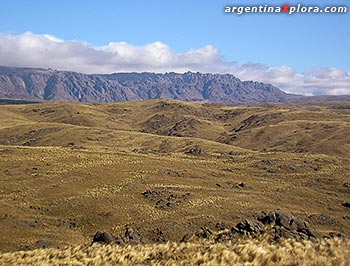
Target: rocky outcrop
[
  {"x": 130, "y": 237},
  {"x": 286, "y": 225},
  {"x": 275, "y": 225}
]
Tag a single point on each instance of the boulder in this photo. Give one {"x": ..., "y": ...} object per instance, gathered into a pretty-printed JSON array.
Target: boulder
[
  {"x": 195, "y": 151},
  {"x": 250, "y": 226},
  {"x": 205, "y": 232},
  {"x": 103, "y": 237},
  {"x": 131, "y": 236},
  {"x": 287, "y": 225}
]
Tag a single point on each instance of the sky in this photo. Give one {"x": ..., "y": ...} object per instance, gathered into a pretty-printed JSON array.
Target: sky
[{"x": 299, "y": 53}]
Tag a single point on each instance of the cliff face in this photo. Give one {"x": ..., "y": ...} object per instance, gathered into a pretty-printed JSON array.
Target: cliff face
[{"x": 53, "y": 85}]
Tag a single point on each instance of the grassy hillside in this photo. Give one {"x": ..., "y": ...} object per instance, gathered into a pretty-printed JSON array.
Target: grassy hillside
[{"x": 167, "y": 168}]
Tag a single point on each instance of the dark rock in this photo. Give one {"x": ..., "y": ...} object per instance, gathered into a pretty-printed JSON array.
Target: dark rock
[
  {"x": 282, "y": 232},
  {"x": 151, "y": 193},
  {"x": 186, "y": 238},
  {"x": 130, "y": 233},
  {"x": 103, "y": 237},
  {"x": 223, "y": 236},
  {"x": 131, "y": 236},
  {"x": 205, "y": 232},
  {"x": 346, "y": 204},
  {"x": 287, "y": 225},
  {"x": 267, "y": 218},
  {"x": 282, "y": 218},
  {"x": 234, "y": 230},
  {"x": 221, "y": 226},
  {"x": 276, "y": 224},
  {"x": 317, "y": 168},
  {"x": 290, "y": 168},
  {"x": 67, "y": 223},
  {"x": 268, "y": 162},
  {"x": 335, "y": 235},
  {"x": 195, "y": 151},
  {"x": 346, "y": 184},
  {"x": 165, "y": 198},
  {"x": 119, "y": 240},
  {"x": 250, "y": 226},
  {"x": 285, "y": 219},
  {"x": 310, "y": 233},
  {"x": 346, "y": 217},
  {"x": 165, "y": 204},
  {"x": 241, "y": 184},
  {"x": 159, "y": 235}
]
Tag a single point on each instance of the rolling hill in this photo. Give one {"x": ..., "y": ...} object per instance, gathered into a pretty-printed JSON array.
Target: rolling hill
[{"x": 167, "y": 168}]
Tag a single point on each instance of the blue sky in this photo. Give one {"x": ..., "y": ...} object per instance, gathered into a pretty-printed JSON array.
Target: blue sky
[{"x": 299, "y": 41}]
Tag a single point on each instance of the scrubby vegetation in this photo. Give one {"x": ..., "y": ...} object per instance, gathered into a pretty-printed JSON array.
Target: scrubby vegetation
[{"x": 244, "y": 252}]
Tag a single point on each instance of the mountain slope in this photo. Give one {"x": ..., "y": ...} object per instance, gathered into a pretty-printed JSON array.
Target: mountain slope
[{"x": 52, "y": 85}]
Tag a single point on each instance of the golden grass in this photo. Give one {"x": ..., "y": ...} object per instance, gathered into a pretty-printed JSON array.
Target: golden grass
[
  {"x": 68, "y": 170},
  {"x": 243, "y": 252}
]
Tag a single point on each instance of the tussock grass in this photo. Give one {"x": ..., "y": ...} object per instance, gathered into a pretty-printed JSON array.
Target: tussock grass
[
  {"x": 243, "y": 252},
  {"x": 68, "y": 170}
]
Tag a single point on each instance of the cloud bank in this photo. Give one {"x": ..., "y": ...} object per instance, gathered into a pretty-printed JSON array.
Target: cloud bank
[{"x": 47, "y": 51}]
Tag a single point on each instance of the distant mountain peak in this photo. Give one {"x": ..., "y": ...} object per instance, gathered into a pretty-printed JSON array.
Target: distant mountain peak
[{"x": 52, "y": 85}]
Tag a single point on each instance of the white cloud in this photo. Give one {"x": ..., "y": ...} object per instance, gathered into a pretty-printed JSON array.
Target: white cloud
[{"x": 47, "y": 51}]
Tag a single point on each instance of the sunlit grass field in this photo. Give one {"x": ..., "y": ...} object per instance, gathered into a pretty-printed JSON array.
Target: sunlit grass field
[{"x": 167, "y": 168}]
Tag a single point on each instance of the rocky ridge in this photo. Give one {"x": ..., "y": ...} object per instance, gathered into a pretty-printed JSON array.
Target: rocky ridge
[{"x": 34, "y": 84}]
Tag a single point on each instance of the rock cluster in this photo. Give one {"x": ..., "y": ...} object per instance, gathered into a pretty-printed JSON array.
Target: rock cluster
[
  {"x": 130, "y": 237},
  {"x": 276, "y": 224}
]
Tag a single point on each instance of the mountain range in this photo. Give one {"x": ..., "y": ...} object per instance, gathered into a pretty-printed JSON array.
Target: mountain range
[{"x": 34, "y": 84}]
